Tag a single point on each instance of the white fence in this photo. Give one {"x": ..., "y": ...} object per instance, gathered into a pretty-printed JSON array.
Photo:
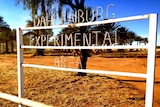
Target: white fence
[
  {"x": 22, "y": 101},
  {"x": 150, "y": 60}
]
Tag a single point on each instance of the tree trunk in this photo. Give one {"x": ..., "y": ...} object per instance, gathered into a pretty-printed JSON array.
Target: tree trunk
[
  {"x": 83, "y": 59},
  {"x": 3, "y": 47},
  {"x": 39, "y": 52},
  {"x": 6, "y": 47},
  {"x": 12, "y": 46},
  {"x": 83, "y": 54},
  {"x": 0, "y": 46}
]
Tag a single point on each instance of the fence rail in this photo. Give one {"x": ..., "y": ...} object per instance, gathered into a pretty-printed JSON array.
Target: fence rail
[
  {"x": 22, "y": 101},
  {"x": 85, "y": 47},
  {"x": 140, "y": 17},
  {"x": 139, "y": 75}
]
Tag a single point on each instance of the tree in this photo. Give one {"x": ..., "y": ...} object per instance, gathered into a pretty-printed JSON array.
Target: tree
[
  {"x": 73, "y": 30},
  {"x": 44, "y": 7},
  {"x": 4, "y": 33},
  {"x": 122, "y": 35},
  {"x": 145, "y": 40},
  {"x": 35, "y": 5},
  {"x": 109, "y": 27},
  {"x": 12, "y": 37},
  {"x": 38, "y": 8},
  {"x": 131, "y": 37},
  {"x": 3, "y": 23},
  {"x": 75, "y": 6}
]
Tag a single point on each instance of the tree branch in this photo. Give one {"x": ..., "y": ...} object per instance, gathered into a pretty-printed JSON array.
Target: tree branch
[
  {"x": 82, "y": 2},
  {"x": 77, "y": 2},
  {"x": 68, "y": 2}
]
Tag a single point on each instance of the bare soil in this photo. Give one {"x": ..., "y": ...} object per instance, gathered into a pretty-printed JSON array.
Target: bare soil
[{"x": 66, "y": 89}]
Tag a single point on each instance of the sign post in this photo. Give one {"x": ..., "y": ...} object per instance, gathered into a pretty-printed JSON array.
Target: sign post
[
  {"x": 19, "y": 63},
  {"x": 151, "y": 60}
]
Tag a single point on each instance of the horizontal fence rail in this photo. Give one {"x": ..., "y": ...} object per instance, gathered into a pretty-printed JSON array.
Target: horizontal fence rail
[
  {"x": 22, "y": 101},
  {"x": 88, "y": 71},
  {"x": 84, "y": 47},
  {"x": 140, "y": 17}
]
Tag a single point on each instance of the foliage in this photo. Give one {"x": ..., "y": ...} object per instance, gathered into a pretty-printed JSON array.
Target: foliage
[
  {"x": 38, "y": 8},
  {"x": 3, "y": 23},
  {"x": 6, "y": 35}
]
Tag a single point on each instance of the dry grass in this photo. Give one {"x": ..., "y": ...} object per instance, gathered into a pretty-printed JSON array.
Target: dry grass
[{"x": 65, "y": 89}]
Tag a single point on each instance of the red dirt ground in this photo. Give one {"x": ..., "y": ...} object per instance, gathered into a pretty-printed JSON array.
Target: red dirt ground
[{"x": 137, "y": 65}]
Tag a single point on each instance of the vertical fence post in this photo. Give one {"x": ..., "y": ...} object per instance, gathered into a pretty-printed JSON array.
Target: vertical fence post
[
  {"x": 19, "y": 63},
  {"x": 151, "y": 60}
]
